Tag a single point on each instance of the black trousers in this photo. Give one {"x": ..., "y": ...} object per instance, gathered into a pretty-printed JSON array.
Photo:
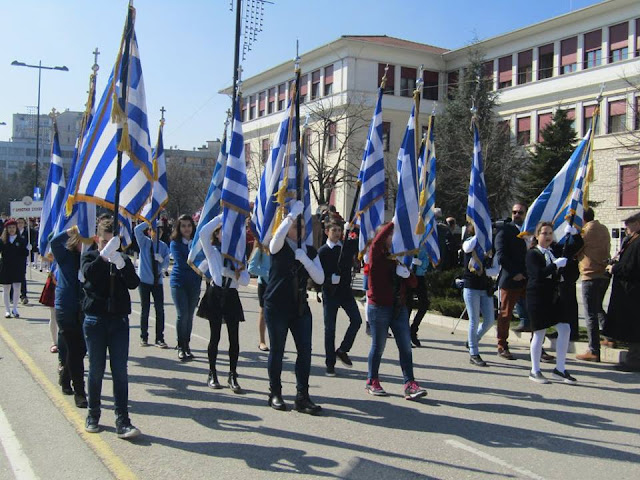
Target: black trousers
[
  {"x": 70, "y": 325},
  {"x": 422, "y": 304}
]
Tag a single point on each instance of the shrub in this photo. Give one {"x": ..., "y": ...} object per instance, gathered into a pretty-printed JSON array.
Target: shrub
[{"x": 449, "y": 306}]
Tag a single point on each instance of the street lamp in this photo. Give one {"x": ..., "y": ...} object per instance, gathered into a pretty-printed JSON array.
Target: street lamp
[{"x": 40, "y": 67}]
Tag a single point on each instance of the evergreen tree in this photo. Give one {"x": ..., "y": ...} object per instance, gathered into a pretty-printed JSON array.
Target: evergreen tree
[
  {"x": 558, "y": 143},
  {"x": 454, "y": 145}
]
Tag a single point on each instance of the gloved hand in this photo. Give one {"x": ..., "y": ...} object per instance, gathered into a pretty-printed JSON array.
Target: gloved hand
[
  {"x": 346, "y": 226},
  {"x": 402, "y": 271},
  {"x": 29, "y": 247},
  {"x": 118, "y": 260},
  {"x": 335, "y": 279},
  {"x": 570, "y": 230},
  {"x": 296, "y": 209},
  {"x": 158, "y": 258},
  {"x": 560, "y": 262},
  {"x": 301, "y": 255},
  {"x": 416, "y": 261},
  {"x": 111, "y": 247}
]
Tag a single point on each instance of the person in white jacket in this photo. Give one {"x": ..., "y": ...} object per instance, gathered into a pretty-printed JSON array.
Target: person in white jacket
[
  {"x": 286, "y": 308},
  {"x": 221, "y": 303}
]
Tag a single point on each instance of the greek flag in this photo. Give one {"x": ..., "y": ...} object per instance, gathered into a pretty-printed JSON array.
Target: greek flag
[
  {"x": 120, "y": 125},
  {"x": 54, "y": 195},
  {"x": 405, "y": 241},
  {"x": 126, "y": 231},
  {"x": 371, "y": 178},
  {"x": 209, "y": 211},
  {"x": 427, "y": 222},
  {"x": 478, "y": 205},
  {"x": 306, "y": 199},
  {"x": 160, "y": 195},
  {"x": 235, "y": 198},
  {"x": 562, "y": 202}
]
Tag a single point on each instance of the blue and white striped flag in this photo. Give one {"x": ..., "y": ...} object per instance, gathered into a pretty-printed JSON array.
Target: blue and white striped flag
[
  {"x": 306, "y": 199},
  {"x": 126, "y": 230},
  {"x": 371, "y": 178},
  {"x": 405, "y": 241},
  {"x": 427, "y": 224},
  {"x": 54, "y": 195},
  {"x": 478, "y": 213},
  {"x": 119, "y": 126},
  {"x": 160, "y": 195},
  {"x": 235, "y": 198},
  {"x": 563, "y": 200},
  {"x": 209, "y": 211}
]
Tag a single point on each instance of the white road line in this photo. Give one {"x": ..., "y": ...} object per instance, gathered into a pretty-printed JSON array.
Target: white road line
[
  {"x": 491, "y": 458},
  {"x": 17, "y": 458}
]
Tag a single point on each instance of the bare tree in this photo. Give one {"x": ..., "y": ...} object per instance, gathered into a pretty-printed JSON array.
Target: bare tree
[{"x": 187, "y": 188}]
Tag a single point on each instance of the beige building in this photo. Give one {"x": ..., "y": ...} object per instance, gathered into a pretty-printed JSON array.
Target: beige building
[{"x": 558, "y": 63}]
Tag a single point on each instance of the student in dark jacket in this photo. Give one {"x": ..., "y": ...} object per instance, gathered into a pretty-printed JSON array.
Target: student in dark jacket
[
  {"x": 337, "y": 261},
  {"x": 109, "y": 275},
  {"x": 543, "y": 304},
  {"x": 13, "y": 248},
  {"x": 66, "y": 248},
  {"x": 568, "y": 277},
  {"x": 30, "y": 236}
]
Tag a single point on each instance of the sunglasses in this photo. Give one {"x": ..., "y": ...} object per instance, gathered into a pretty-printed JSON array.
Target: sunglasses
[{"x": 517, "y": 212}]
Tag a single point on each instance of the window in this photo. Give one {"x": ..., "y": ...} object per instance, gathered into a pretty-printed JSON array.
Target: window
[
  {"x": 544, "y": 119},
  {"x": 430, "y": 89},
  {"x": 247, "y": 153},
  {"x": 568, "y": 55},
  {"x": 587, "y": 121},
  {"x": 407, "y": 81},
  {"x": 304, "y": 87},
  {"x": 331, "y": 138},
  {"x": 272, "y": 100},
  {"x": 252, "y": 107},
  {"x": 282, "y": 96},
  {"x": 452, "y": 84},
  {"x": 328, "y": 80},
  {"x": 315, "y": 84},
  {"x": 243, "y": 111},
  {"x": 386, "y": 135},
  {"x": 571, "y": 115},
  {"x": 264, "y": 151},
  {"x": 617, "y": 116},
  {"x": 525, "y": 67},
  {"x": 545, "y": 61},
  {"x": 391, "y": 77},
  {"x": 262, "y": 97},
  {"x": 628, "y": 186},
  {"x": 618, "y": 42},
  {"x": 487, "y": 72},
  {"x": 505, "y": 75},
  {"x": 592, "y": 49},
  {"x": 524, "y": 131}
]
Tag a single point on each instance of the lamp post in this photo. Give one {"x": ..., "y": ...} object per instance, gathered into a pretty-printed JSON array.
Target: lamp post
[{"x": 40, "y": 67}]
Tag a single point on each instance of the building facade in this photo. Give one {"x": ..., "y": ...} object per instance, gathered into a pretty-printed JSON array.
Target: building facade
[{"x": 558, "y": 63}]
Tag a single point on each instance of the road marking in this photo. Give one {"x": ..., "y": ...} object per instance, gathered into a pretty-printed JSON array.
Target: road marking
[
  {"x": 18, "y": 460},
  {"x": 491, "y": 458},
  {"x": 104, "y": 452}
]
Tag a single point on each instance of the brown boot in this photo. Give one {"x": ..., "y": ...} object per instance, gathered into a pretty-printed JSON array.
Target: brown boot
[{"x": 588, "y": 356}]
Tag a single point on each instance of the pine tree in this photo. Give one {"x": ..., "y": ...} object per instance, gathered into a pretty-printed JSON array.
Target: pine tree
[{"x": 558, "y": 143}]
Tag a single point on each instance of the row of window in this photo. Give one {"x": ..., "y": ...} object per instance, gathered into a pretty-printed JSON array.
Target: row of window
[
  {"x": 274, "y": 99},
  {"x": 408, "y": 77}
]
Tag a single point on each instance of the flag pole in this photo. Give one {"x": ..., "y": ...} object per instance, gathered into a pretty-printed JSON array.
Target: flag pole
[
  {"x": 162, "y": 110},
  {"x": 236, "y": 60},
  {"x": 299, "y": 169}
]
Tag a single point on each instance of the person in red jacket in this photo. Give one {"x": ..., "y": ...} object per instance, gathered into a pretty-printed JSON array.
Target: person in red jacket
[{"x": 387, "y": 308}]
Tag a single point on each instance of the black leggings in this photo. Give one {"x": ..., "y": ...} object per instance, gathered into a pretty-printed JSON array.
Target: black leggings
[
  {"x": 422, "y": 305},
  {"x": 234, "y": 344}
]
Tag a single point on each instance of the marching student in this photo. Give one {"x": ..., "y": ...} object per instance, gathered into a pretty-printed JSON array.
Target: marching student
[
  {"x": 154, "y": 260},
  {"x": 185, "y": 283},
  {"x": 286, "y": 308},
  {"x": 221, "y": 303},
  {"x": 109, "y": 275},
  {"x": 13, "y": 248},
  {"x": 544, "y": 305},
  {"x": 387, "y": 308},
  {"x": 337, "y": 259}
]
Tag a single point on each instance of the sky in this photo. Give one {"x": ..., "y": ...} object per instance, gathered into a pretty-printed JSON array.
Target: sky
[{"x": 186, "y": 46}]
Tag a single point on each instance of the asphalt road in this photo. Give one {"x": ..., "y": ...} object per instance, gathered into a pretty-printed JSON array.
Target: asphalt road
[{"x": 475, "y": 423}]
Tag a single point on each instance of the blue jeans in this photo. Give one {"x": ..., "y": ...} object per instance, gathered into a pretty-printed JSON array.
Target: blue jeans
[
  {"x": 146, "y": 291},
  {"x": 593, "y": 292},
  {"x": 279, "y": 322},
  {"x": 330, "y": 306},
  {"x": 380, "y": 320},
  {"x": 101, "y": 333},
  {"x": 185, "y": 299},
  {"x": 477, "y": 302}
]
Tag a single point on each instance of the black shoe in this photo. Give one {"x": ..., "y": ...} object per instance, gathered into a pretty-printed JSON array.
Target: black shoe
[
  {"x": 91, "y": 424},
  {"x": 188, "y": 353},
  {"x": 233, "y": 383},
  {"x": 212, "y": 380},
  {"x": 368, "y": 329},
  {"x": 64, "y": 381},
  {"x": 414, "y": 340},
  {"x": 477, "y": 361},
  {"x": 331, "y": 372},
  {"x": 303, "y": 404},
  {"x": 563, "y": 377},
  {"x": 125, "y": 430},
  {"x": 344, "y": 358},
  {"x": 538, "y": 378},
  {"x": 466, "y": 345},
  {"x": 276, "y": 402},
  {"x": 182, "y": 356},
  {"x": 546, "y": 358},
  {"x": 81, "y": 400}
]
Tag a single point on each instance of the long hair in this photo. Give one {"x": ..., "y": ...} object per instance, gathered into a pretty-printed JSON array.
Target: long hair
[
  {"x": 5, "y": 234},
  {"x": 175, "y": 234}
]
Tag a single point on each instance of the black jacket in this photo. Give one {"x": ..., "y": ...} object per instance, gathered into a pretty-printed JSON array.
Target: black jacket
[
  {"x": 329, "y": 260},
  {"x": 96, "y": 287},
  {"x": 511, "y": 252}
]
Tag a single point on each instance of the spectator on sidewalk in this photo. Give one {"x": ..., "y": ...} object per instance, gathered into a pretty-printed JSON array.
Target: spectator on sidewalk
[
  {"x": 29, "y": 236},
  {"x": 13, "y": 249}
]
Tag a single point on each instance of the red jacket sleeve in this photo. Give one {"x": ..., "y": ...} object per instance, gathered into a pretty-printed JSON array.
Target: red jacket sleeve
[{"x": 378, "y": 244}]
